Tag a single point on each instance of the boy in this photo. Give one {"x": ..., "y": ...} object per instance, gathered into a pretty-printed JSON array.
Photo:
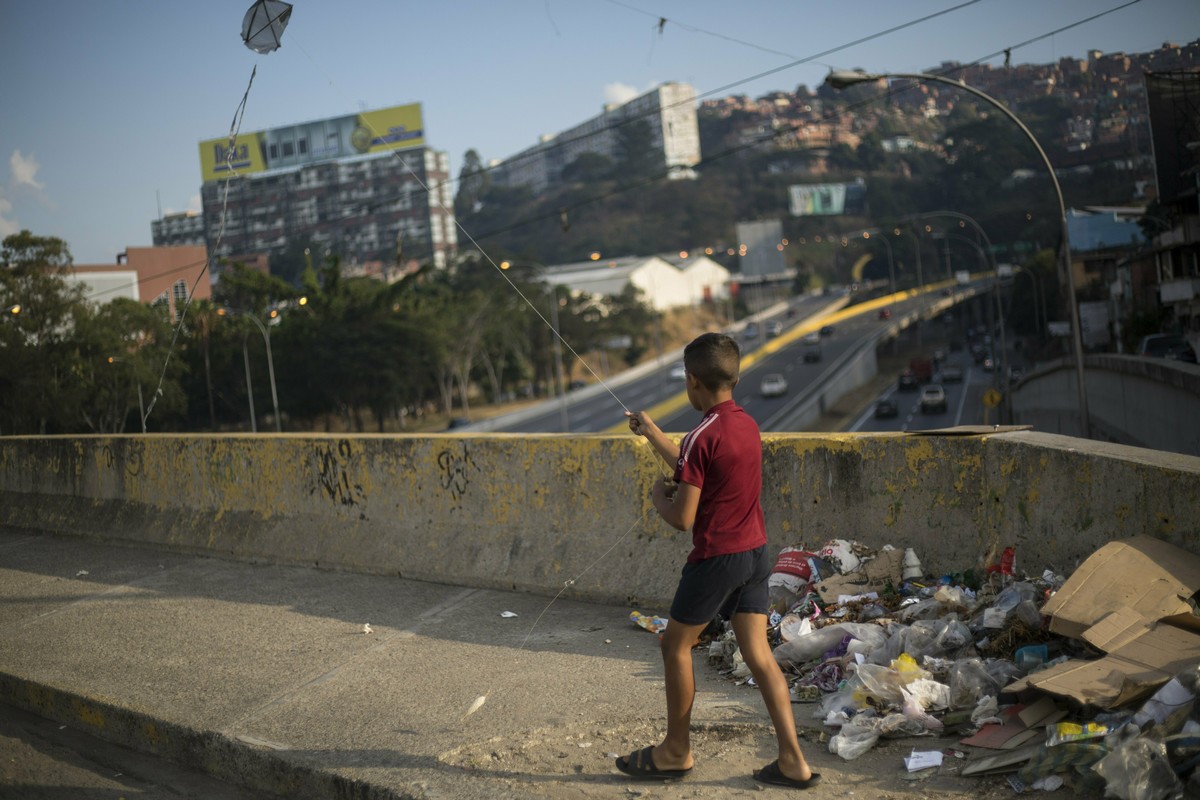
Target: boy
[{"x": 715, "y": 492}]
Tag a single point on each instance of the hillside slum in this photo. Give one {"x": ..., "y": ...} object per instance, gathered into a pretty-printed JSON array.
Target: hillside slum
[{"x": 1087, "y": 681}]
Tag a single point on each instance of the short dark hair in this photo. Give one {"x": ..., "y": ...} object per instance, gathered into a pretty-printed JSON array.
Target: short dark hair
[{"x": 713, "y": 359}]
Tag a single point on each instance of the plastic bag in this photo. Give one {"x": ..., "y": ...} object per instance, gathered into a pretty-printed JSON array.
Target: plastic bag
[
  {"x": 854, "y": 739},
  {"x": 1138, "y": 770},
  {"x": 930, "y": 693},
  {"x": 881, "y": 682},
  {"x": 815, "y": 644},
  {"x": 969, "y": 680},
  {"x": 912, "y": 710},
  {"x": 840, "y": 553}
]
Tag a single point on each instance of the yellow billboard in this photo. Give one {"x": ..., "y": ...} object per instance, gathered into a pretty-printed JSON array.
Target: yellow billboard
[
  {"x": 392, "y": 128},
  {"x": 219, "y": 161},
  {"x": 395, "y": 128}
]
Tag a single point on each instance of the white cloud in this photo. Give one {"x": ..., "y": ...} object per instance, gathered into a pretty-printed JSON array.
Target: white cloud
[
  {"x": 24, "y": 170},
  {"x": 619, "y": 93}
]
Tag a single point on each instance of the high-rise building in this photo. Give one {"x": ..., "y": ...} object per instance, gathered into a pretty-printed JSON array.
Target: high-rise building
[
  {"x": 670, "y": 112},
  {"x": 362, "y": 186},
  {"x": 173, "y": 230}
]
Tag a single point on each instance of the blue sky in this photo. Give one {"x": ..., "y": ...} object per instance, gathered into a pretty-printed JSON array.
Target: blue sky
[{"x": 105, "y": 103}]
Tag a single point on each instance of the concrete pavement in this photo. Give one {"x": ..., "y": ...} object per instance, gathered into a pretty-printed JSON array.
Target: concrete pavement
[{"x": 264, "y": 676}]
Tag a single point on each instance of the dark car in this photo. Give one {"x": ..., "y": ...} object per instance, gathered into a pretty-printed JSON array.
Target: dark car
[
  {"x": 885, "y": 313},
  {"x": 457, "y": 422},
  {"x": 812, "y": 354},
  {"x": 885, "y": 409},
  {"x": 826, "y": 330},
  {"x": 1167, "y": 346},
  {"x": 952, "y": 374},
  {"x": 909, "y": 381}
]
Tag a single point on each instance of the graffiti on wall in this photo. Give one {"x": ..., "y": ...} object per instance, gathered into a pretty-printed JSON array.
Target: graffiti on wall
[
  {"x": 130, "y": 457},
  {"x": 455, "y": 471},
  {"x": 333, "y": 473}
]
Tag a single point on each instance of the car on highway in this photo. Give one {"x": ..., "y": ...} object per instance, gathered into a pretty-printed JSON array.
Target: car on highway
[
  {"x": 952, "y": 374},
  {"x": 812, "y": 337},
  {"x": 678, "y": 371},
  {"x": 750, "y": 331},
  {"x": 908, "y": 382},
  {"x": 812, "y": 354},
  {"x": 885, "y": 313},
  {"x": 1160, "y": 345},
  {"x": 773, "y": 385},
  {"x": 826, "y": 330},
  {"x": 886, "y": 409},
  {"x": 1015, "y": 374},
  {"x": 774, "y": 329},
  {"x": 933, "y": 399}
]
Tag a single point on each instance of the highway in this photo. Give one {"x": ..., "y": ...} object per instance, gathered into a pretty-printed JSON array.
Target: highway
[{"x": 601, "y": 406}]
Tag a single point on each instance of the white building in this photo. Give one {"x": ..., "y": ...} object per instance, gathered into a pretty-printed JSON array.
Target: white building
[
  {"x": 670, "y": 110},
  {"x": 665, "y": 283}
]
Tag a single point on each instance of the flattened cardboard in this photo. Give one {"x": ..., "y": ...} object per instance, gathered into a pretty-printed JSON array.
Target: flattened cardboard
[
  {"x": 872, "y": 576},
  {"x": 1021, "y": 724},
  {"x": 1150, "y": 576},
  {"x": 1005, "y": 761},
  {"x": 1144, "y": 656}
]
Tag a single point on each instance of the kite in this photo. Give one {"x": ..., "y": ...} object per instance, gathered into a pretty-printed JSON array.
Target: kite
[{"x": 264, "y": 23}]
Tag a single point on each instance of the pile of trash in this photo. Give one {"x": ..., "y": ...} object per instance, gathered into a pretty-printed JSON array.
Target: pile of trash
[{"x": 1088, "y": 681}]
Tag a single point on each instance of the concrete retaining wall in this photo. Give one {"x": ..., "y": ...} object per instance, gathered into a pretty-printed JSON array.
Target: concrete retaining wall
[
  {"x": 1145, "y": 402},
  {"x": 533, "y": 512}
]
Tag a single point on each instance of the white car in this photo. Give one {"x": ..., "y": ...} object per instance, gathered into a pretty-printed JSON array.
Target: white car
[
  {"x": 678, "y": 372},
  {"x": 773, "y": 385},
  {"x": 812, "y": 338}
]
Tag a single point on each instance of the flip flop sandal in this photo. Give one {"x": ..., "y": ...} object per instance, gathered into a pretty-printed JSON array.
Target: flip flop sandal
[
  {"x": 771, "y": 774},
  {"x": 640, "y": 764}
]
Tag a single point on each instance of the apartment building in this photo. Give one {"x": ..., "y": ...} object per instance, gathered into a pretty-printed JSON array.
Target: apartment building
[
  {"x": 670, "y": 110},
  {"x": 364, "y": 186}
]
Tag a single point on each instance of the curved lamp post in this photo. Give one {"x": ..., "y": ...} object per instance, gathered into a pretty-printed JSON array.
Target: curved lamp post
[
  {"x": 266, "y": 334},
  {"x": 840, "y": 79}
]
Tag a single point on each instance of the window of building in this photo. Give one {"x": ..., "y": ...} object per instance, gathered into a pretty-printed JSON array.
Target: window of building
[
  {"x": 180, "y": 290},
  {"x": 302, "y": 146},
  {"x": 288, "y": 149},
  {"x": 274, "y": 150}
]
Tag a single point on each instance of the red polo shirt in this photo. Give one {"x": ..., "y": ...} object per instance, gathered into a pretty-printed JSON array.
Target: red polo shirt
[{"x": 723, "y": 457}]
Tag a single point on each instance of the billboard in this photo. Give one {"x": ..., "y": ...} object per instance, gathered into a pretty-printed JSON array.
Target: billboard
[
  {"x": 762, "y": 255},
  {"x": 395, "y": 128},
  {"x": 827, "y": 199}
]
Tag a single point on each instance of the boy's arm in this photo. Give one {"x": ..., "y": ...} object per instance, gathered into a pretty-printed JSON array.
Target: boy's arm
[
  {"x": 641, "y": 424},
  {"x": 680, "y": 511}
]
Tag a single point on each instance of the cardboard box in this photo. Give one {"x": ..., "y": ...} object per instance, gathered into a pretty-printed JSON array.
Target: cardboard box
[
  {"x": 872, "y": 576},
  {"x": 1141, "y": 655},
  {"x": 1150, "y": 576},
  {"x": 1129, "y": 600}
]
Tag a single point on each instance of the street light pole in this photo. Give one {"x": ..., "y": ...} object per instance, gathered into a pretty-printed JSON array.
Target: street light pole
[
  {"x": 842, "y": 79},
  {"x": 270, "y": 369},
  {"x": 249, "y": 385}
]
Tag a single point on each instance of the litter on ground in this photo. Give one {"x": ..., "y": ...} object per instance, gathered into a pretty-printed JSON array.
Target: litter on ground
[{"x": 1087, "y": 681}]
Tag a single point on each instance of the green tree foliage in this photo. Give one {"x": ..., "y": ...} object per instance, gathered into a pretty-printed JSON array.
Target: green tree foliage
[{"x": 473, "y": 183}]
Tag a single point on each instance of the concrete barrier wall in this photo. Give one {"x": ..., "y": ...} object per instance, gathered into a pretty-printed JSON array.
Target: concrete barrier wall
[
  {"x": 533, "y": 512},
  {"x": 1145, "y": 402}
]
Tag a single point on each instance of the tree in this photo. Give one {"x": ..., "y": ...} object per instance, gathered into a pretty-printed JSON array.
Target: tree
[
  {"x": 473, "y": 183},
  {"x": 123, "y": 351},
  {"x": 38, "y": 353},
  {"x": 636, "y": 155},
  {"x": 588, "y": 168}
]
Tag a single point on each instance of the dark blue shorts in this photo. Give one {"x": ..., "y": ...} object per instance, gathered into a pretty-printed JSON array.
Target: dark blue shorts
[{"x": 724, "y": 586}]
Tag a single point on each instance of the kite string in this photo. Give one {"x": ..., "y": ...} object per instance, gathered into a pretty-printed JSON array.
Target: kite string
[
  {"x": 235, "y": 127},
  {"x": 479, "y": 701},
  {"x": 437, "y": 199}
]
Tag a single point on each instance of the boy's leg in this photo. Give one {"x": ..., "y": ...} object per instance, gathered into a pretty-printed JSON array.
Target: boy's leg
[
  {"x": 751, "y": 632},
  {"x": 675, "y": 752}
]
